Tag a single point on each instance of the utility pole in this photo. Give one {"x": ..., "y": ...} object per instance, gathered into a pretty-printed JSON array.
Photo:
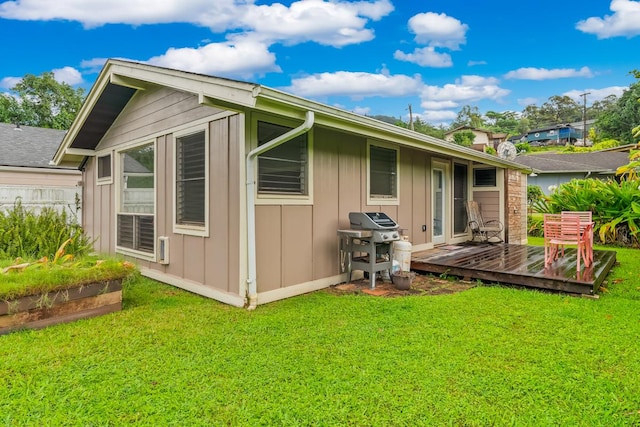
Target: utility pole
[
  {"x": 584, "y": 117},
  {"x": 410, "y": 118}
]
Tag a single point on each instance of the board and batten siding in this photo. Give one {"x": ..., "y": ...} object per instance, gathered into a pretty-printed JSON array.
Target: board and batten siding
[
  {"x": 208, "y": 261},
  {"x": 299, "y": 243}
]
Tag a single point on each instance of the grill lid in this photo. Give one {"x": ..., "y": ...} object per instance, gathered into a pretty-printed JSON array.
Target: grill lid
[{"x": 371, "y": 221}]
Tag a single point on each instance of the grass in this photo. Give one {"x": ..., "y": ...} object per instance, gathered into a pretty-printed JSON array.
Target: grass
[
  {"x": 487, "y": 356},
  {"x": 20, "y": 278}
]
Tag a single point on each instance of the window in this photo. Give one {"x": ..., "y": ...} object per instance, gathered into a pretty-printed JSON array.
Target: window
[
  {"x": 104, "y": 169},
  {"x": 136, "y": 207},
  {"x": 383, "y": 172},
  {"x": 484, "y": 177},
  {"x": 283, "y": 169},
  {"x": 191, "y": 162}
]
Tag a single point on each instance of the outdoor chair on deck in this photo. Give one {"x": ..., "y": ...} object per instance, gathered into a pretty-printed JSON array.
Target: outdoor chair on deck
[
  {"x": 485, "y": 230},
  {"x": 561, "y": 230},
  {"x": 586, "y": 228}
]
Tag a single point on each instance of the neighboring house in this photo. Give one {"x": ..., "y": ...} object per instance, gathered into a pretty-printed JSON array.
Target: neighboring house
[
  {"x": 243, "y": 188},
  {"x": 484, "y": 138},
  {"x": 554, "y": 135},
  {"x": 26, "y": 172},
  {"x": 552, "y": 169}
]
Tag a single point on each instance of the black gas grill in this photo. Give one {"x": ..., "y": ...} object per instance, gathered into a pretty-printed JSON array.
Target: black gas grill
[{"x": 368, "y": 244}]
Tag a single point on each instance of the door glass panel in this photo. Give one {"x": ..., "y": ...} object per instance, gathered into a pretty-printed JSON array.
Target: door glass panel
[
  {"x": 438, "y": 203},
  {"x": 459, "y": 198}
]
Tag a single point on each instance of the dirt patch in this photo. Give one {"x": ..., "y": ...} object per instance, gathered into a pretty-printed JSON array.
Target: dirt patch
[{"x": 421, "y": 285}]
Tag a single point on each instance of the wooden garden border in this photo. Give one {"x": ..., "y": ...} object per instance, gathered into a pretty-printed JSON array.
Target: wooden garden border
[{"x": 66, "y": 305}]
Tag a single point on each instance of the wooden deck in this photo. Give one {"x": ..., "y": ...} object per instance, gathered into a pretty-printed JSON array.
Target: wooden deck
[{"x": 516, "y": 265}]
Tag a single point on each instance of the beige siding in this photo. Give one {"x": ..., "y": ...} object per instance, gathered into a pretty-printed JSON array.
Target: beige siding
[
  {"x": 153, "y": 111},
  {"x": 269, "y": 247},
  {"x": 489, "y": 202},
  {"x": 209, "y": 261},
  {"x": 35, "y": 178},
  {"x": 99, "y": 209},
  {"x": 326, "y": 205}
]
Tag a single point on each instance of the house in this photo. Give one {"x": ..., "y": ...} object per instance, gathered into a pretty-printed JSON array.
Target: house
[
  {"x": 551, "y": 169},
  {"x": 27, "y": 175},
  {"x": 484, "y": 138},
  {"x": 243, "y": 188},
  {"x": 562, "y": 134}
]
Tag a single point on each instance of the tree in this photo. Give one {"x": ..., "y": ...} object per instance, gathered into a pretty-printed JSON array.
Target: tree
[
  {"x": 43, "y": 102},
  {"x": 468, "y": 116},
  {"x": 464, "y": 138},
  {"x": 619, "y": 121},
  {"x": 505, "y": 122},
  {"x": 561, "y": 109},
  {"x": 8, "y": 109}
]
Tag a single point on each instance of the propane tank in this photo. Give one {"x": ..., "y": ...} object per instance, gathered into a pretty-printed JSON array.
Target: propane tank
[{"x": 402, "y": 253}]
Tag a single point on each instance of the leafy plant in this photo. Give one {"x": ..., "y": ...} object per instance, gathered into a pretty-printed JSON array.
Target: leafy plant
[
  {"x": 615, "y": 206},
  {"x": 30, "y": 235}
]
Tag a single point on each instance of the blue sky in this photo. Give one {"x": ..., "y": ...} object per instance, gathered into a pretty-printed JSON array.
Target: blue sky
[{"x": 372, "y": 57}]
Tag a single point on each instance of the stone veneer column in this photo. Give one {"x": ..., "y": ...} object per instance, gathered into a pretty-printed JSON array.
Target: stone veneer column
[{"x": 516, "y": 207}]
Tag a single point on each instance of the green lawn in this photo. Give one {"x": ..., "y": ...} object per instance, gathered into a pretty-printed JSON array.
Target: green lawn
[{"x": 487, "y": 356}]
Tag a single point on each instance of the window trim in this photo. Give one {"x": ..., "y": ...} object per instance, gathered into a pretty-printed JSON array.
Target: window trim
[
  {"x": 376, "y": 200},
  {"x": 148, "y": 256},
  {"x": 107, "y": 179},
  {"x": 186, "y": 229},
  {"x": 282, "y": 198}
]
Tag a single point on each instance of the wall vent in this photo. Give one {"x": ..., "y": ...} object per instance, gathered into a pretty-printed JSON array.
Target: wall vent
[{"x": 163, "y": 250}]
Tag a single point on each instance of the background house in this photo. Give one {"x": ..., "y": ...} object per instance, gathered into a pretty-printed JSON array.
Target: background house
[
  {"x": 26, "y": 172},
  {"x": 552, "y": 169},
  {"x": 484, "y": 138},
  {"x": 238, "y": 190}
]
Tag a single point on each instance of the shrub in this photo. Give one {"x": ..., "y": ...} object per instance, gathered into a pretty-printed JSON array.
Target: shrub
[
  {"x": 523, "y": 147},
  {"x": 28, "y": 235},
  {"x": 615, "y": 207}
]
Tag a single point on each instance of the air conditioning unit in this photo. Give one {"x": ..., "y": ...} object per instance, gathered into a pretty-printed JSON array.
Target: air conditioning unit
[{"x": 163, "y": 250}]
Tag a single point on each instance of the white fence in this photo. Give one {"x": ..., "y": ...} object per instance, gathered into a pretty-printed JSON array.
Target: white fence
[{"x": 35, "y": 198}]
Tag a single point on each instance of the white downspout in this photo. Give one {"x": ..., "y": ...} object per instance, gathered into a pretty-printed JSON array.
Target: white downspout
[{"x": 252, "y": 288}]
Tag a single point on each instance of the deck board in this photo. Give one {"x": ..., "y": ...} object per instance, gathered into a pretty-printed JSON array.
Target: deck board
[{"x": 517, "y": 265}]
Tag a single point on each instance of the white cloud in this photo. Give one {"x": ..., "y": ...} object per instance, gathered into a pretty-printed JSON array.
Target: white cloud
[
  {"x": 438, "y": 30},
  {"x": 356, "y": 85},
  {"x": 545, "y": 74},
  {"x": 9, "y": 82},
  {"x": 464, "y": 90},
  {"x": 625, "y": 21},
  {"x": 243, "y": 58},
  {"x": 595, "y": 94},
  {"x": 438, "y": 116},
  {"x": 528, "y": 101},
  {"x": 334, "y": 23},
  {"x": 93, "y": 65},
  {"x": 474, "y": 63},
  {"x": 425, "y": 57},
  {"x": 68, "y": 75},
  {"x": 361, "y": 110}
]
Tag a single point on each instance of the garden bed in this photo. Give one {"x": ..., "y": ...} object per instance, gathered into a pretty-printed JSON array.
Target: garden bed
[{"x": 61, "y": 306}]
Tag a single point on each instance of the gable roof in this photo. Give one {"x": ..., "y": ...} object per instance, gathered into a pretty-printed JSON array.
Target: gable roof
[
  {"x": 27, "y": 146},
  {"x": 120, "y": 80},
  {"x": 601, "y": 162}
]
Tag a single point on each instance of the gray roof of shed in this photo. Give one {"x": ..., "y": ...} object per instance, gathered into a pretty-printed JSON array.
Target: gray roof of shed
[
  {"x": 29, "y": 146},
  {"x": 604, "y": 162}
]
